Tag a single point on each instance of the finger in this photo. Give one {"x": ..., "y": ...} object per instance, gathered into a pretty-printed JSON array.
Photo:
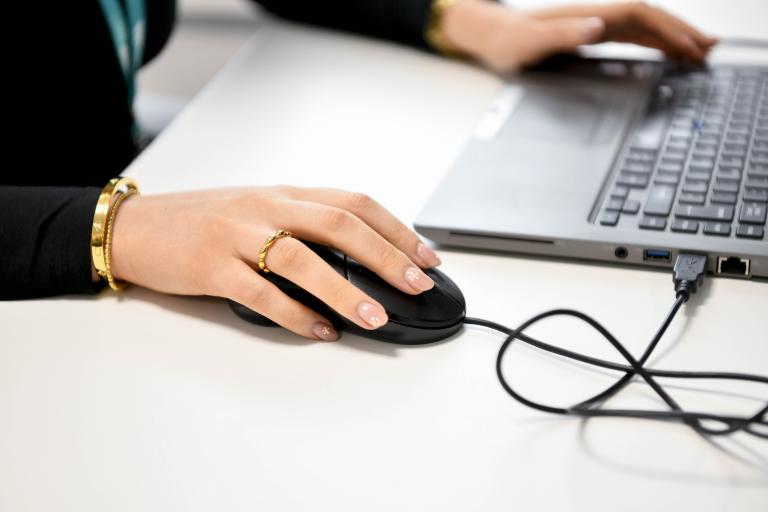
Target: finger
[
  {"x": 699, "y": 38},
  {"x": 296, "y": 262},
  {"x": 651, "y": 41},
  {"x": 243, "y": 285},
  {"x": 375, "y": 216},
  {"x": 670, "y": 29},
  {"x": 563, "y": 35},
  {"x": 343, "y": 230}
]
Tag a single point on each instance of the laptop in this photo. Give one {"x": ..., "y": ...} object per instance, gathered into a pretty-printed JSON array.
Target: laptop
[{"x": 616, "y": 161}]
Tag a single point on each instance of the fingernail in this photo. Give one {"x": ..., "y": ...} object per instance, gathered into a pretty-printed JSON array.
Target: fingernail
[
  {"x": 418, "y": 280},
  {"x": 324, "y": 331},
  {"x": 428, "y": 256},
  {"x": 593, "y": 26},
  {"x": 372, "y": 314}
]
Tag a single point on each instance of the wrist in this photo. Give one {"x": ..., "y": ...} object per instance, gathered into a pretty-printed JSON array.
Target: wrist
[
  {"x": 466, "y": 26},
  {"x": 123, "y": 229}
]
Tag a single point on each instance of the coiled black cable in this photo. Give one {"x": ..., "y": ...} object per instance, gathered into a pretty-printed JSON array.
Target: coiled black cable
[{"x": 686, "y": 283}]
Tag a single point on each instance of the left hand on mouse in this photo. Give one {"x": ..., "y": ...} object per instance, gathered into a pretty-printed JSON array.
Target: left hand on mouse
[{"x": 506, "y": 40}]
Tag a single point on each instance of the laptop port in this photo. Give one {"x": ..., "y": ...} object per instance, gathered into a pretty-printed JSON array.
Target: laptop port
[
  {"x": 621, "y": 252},
  {"x": 657, "y": 255},
  {"x": 733, "y": 266}
]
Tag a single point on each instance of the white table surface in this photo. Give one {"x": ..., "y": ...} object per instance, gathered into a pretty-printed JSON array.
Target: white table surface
[{"x": 152, "y": 402}]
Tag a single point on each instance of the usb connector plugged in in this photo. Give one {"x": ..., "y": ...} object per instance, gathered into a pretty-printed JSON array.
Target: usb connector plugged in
[{"x": 688, "y": 273}]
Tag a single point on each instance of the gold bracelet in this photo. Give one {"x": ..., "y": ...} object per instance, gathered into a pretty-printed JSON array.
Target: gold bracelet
[
  {"x": 121, "y": 196},
  {"x": 113, "y": 192},
  {"x": 432, "y": 33}
]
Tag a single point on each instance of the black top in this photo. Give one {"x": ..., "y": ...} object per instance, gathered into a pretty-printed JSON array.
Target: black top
[{"x": 72, "y": 133}]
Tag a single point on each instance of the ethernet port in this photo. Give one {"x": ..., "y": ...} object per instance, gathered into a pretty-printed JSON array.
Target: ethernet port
[{"x": 733, "y": 266}]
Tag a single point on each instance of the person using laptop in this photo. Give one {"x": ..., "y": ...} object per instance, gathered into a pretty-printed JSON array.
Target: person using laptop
[{"x": 62, "y": 231}]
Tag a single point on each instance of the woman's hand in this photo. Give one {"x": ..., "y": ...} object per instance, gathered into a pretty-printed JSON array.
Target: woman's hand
[
  {"x": 207, "y": 243},
  {"x": 506, "y": 40}
]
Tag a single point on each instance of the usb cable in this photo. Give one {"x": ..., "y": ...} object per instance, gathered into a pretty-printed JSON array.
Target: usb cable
[{"x": 688, "y": 276}]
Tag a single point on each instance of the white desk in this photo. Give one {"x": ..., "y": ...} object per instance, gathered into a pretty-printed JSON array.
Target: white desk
[{"x": 185, "y": 407}]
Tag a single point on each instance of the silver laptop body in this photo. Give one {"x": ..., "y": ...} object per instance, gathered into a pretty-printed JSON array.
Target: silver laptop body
[{"x": 539, "y": 174}]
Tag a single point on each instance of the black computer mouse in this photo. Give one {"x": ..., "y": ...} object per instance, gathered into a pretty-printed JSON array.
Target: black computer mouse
[{"x": 413, "y": 319}]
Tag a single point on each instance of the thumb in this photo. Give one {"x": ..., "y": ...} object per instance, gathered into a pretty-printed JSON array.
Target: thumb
[{"x": 565, "y": 34}]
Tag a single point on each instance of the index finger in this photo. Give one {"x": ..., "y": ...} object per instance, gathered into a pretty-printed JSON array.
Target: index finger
[
  {"x": 375, "y": 216},
  {"x": 680, "y": 36}
]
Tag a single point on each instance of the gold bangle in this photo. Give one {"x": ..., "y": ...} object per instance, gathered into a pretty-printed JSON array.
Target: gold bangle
[
  {"x": 104, "y": 205},
  {"x": 121, "y": 196},
  {"x": 432, "y": 33}
]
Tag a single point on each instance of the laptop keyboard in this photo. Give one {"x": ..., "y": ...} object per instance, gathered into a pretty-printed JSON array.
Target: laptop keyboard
[{"x": 698, "y": 163}]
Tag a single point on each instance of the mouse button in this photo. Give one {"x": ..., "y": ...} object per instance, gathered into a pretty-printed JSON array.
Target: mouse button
[
  {"x": 429, "y": 310},
  {"x": 447, "y": 286}
]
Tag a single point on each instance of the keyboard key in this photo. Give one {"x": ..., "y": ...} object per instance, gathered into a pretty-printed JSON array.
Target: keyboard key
[
  {"x": 736, "y": 148},
  {"x": 731, "y": 187},
  {"x": 633, "y": 180},
  {"x": 681, "y": 140},
  {"x": 758, "y": 183},
  {"x": 757, "y": 171},
  {"x": 641, "y": 158},
  {"x": 675, "y": 158},
  {"x": 671, "y": 168},
  {"x": 614, "y": 204},
  {"x": 655, "y": 223},
  {"x": 667, "y": 179},
  {"x": 609, "y": 218},
  {"x": 659, "y": 200},
  {"x": 753, "y": 194},
  {"x": 712, "y": 139},
  {"x": 717, "y": 229},
  {"x": 697, "y": 187},
  {"x": 631, "y": 206},
  {"x": 732, "y": 161},
  {"x": 619, "y": 192},
  {"x": 729, "y": 175},
  {"x": 752, "y": 213},
  {"x": 692, "y": 198},
  {"x": 684, "y": 226},
  {"x": 737, "y": 138},
  {"x": 723, "y": 198},
  {"x": 702, "y": 165},
  {"x": 713, "y": 212},
  {"x": 750, "y": 231},
  {"x": 703, "y": 151},
  {"x": 637, "y": 167},
  {"x": 698, "y": 176}
]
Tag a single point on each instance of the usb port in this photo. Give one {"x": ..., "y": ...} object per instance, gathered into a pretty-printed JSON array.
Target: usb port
[{"x": 657, "y": 255}]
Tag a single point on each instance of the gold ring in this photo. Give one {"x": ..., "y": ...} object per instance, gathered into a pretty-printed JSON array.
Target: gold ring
[{"x": 281, "y": 233}]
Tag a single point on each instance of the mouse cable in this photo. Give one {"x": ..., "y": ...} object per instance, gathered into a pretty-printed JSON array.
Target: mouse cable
[{"x": 689, "y": 273}]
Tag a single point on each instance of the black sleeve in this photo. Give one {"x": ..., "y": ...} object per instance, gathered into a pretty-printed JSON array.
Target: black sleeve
[
  {"x": 45, "y": 241},
  {"x": 396, "y": 20}
]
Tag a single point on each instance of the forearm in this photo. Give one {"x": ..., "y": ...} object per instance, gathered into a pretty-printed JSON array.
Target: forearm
[
  {"x": 45, "y": 241},
  {"x": 397, "y": 20}
]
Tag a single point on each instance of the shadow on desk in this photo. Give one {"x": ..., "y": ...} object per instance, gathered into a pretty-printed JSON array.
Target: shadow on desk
[{"x": 216, "y": 310}]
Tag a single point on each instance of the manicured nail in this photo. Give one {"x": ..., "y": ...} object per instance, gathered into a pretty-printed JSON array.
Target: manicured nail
[
  {"x": 325, "y": 332},
  {"x": 593, "y": 27},
  {"x": 428, "y": 256},
  {"x": 371, "y": 314},
  {"x": 418, "y": 280}
]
